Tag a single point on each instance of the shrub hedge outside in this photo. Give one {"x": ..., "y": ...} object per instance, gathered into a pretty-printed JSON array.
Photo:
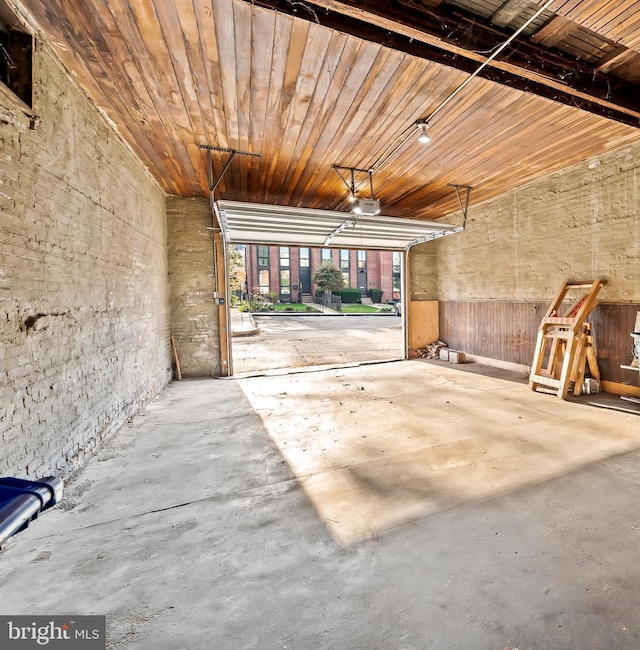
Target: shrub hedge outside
[{"x": 346, "y": 295}]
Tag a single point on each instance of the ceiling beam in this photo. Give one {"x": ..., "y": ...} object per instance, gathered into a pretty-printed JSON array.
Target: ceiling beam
[
  {"x": 613, "y": 58},
  {"x": 456, "y": 39},
  {"x": 554, "y": 31}
]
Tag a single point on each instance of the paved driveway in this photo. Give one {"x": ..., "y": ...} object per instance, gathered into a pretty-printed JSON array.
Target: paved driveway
[{"x": 299, "y": 341}]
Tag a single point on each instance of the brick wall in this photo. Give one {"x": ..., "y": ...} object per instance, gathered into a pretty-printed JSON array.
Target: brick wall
[
  {"x": 83, "y": 290},
  {"x": 194, "y": 314},
  {"x": 580, "y": 223},
  {"x": 423, "y": 271},
  {"x": 496, "y": 279}
]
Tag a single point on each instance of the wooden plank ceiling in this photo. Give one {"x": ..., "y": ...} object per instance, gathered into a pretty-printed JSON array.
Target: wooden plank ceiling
[{"x": 321, "y": 83}]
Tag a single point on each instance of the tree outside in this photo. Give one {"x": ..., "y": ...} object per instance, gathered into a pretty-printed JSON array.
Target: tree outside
[
  {"x": 237, "y": 269},
  {"x": 328, "y": 276}
]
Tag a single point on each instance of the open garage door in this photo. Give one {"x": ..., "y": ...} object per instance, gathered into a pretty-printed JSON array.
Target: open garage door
[
  {"x": 252, "y": 223},
  {"x": 268, "y": 226}
]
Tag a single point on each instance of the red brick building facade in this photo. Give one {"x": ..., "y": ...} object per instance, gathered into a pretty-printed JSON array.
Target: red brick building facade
[{"x": 287, "y": 270}]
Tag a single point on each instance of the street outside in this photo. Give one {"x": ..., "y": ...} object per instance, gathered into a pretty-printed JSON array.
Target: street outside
[{"x": 300, "y": 341}]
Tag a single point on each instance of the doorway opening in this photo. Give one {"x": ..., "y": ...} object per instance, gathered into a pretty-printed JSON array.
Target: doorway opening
[
  {"x": 281, "y": 246},
  {"x": 283, "y": 317}
]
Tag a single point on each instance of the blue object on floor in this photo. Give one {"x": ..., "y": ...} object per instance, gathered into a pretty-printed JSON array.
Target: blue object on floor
[{"x": 22, "y": 500}]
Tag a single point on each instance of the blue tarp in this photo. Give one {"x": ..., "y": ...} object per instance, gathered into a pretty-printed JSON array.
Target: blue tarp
[{"x": 22, "y": 500}]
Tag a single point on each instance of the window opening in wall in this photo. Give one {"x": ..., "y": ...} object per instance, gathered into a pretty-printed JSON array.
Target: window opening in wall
[
  {"x": 344, "y": 267},
  {"x": 396, "y": 265},
  {"x": 16, "y": 57},
  {"x": 285, "y": 284},
  {"x": 325, "y": 254},
  {"x": 362, "y": 272},
  {"x": 285, "y": 274},
  {"x": 263, "y": 270},
  {"x": 264, "y": 281}
]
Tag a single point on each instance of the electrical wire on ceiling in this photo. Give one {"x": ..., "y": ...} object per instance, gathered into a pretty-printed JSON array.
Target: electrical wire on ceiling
[{"x": 408, "y": 134}]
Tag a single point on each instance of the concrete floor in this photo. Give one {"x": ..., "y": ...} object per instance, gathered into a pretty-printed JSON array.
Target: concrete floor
[
  {"x": 300, "y": 341},
  {"x": 474, "y": 514}
]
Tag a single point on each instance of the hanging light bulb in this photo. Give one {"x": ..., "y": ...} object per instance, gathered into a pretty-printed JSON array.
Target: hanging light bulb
[{"x": 424, "y": 137}]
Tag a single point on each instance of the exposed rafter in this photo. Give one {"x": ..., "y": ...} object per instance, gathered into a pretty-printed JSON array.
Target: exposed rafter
[{"x": 454, "y": 38}]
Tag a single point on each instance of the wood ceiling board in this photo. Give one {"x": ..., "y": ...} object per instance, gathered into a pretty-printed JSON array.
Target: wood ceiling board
[
  {"x": 302, "y": 110},
  {"x": 285, "y": 94},
  {"x": 308, "y": 155},
  {"x": 617, "y": 20},
  {"x": 306, "y": 97},
  {"x": 262, "y": 40},
  {"x": 414, "y": 93},
  {"x": 554, "y": 31},
  {"x": 586, "y": 49},
  {"x": 358, "y": 147},
  {"x": 629, "y": 66},
  {"x": 484, "y": 8},
  {"x": 522, "y": 66},
  {"x": 117, "y": 103},
  {"x": 122, "y": 51},
  {"x": 268, "y": 144},
  {"x": 568, "y": 135},
  {"x": 216, "y": 135},
  {"x": 141, "y": 76},
  {"x": 180, "y": 34},
  {"x": 224, "y": 27},
  {"x": 614, "y": 57}
]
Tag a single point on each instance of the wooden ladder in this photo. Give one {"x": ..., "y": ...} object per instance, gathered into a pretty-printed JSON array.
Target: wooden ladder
[{"x": 569, "y": 341}]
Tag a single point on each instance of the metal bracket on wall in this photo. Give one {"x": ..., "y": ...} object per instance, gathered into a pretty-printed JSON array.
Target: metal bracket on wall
[
  {"x": 445, "y": 233},
  {"x": 213, "y": 183},
  {"x": 465, "y": 208}
]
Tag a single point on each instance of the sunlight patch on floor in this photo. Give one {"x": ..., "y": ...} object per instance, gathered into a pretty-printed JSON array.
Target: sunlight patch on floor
[{"x": 378, "y": 446}]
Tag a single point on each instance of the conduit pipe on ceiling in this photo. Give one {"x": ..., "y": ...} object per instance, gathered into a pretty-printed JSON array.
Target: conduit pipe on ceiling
[{"x": 410, "y": 131}]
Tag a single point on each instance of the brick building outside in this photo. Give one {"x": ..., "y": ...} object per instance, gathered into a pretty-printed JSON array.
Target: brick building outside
[{"x": 287, "y": 270}]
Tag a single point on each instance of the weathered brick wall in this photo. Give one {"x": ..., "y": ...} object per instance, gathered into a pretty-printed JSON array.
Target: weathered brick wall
[
  {"x": 581, "y": 223},
  {"x": 84, "y": 319},
  {"x": 423, "y": 271},
  {"x": 496, "y": 279},
  {"x": 194, "y": 314}
]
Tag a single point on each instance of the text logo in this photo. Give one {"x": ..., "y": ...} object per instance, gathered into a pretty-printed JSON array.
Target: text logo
[{"x": 53, "y": 632}]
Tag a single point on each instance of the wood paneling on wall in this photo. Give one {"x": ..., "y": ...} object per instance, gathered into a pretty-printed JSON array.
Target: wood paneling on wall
[
  {"x": 423, "y": 323},
  {"x": 612, "y": 324},
  {"x": 507, "y": 331}
]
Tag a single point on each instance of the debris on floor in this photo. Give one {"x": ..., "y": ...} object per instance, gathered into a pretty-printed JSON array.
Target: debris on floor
[{"x": 431, "y": 351}]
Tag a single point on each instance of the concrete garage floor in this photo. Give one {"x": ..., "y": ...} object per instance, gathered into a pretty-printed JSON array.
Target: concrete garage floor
[
  {"x": 312, "y": 340},
  {"x": 474, "y": 514}
]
